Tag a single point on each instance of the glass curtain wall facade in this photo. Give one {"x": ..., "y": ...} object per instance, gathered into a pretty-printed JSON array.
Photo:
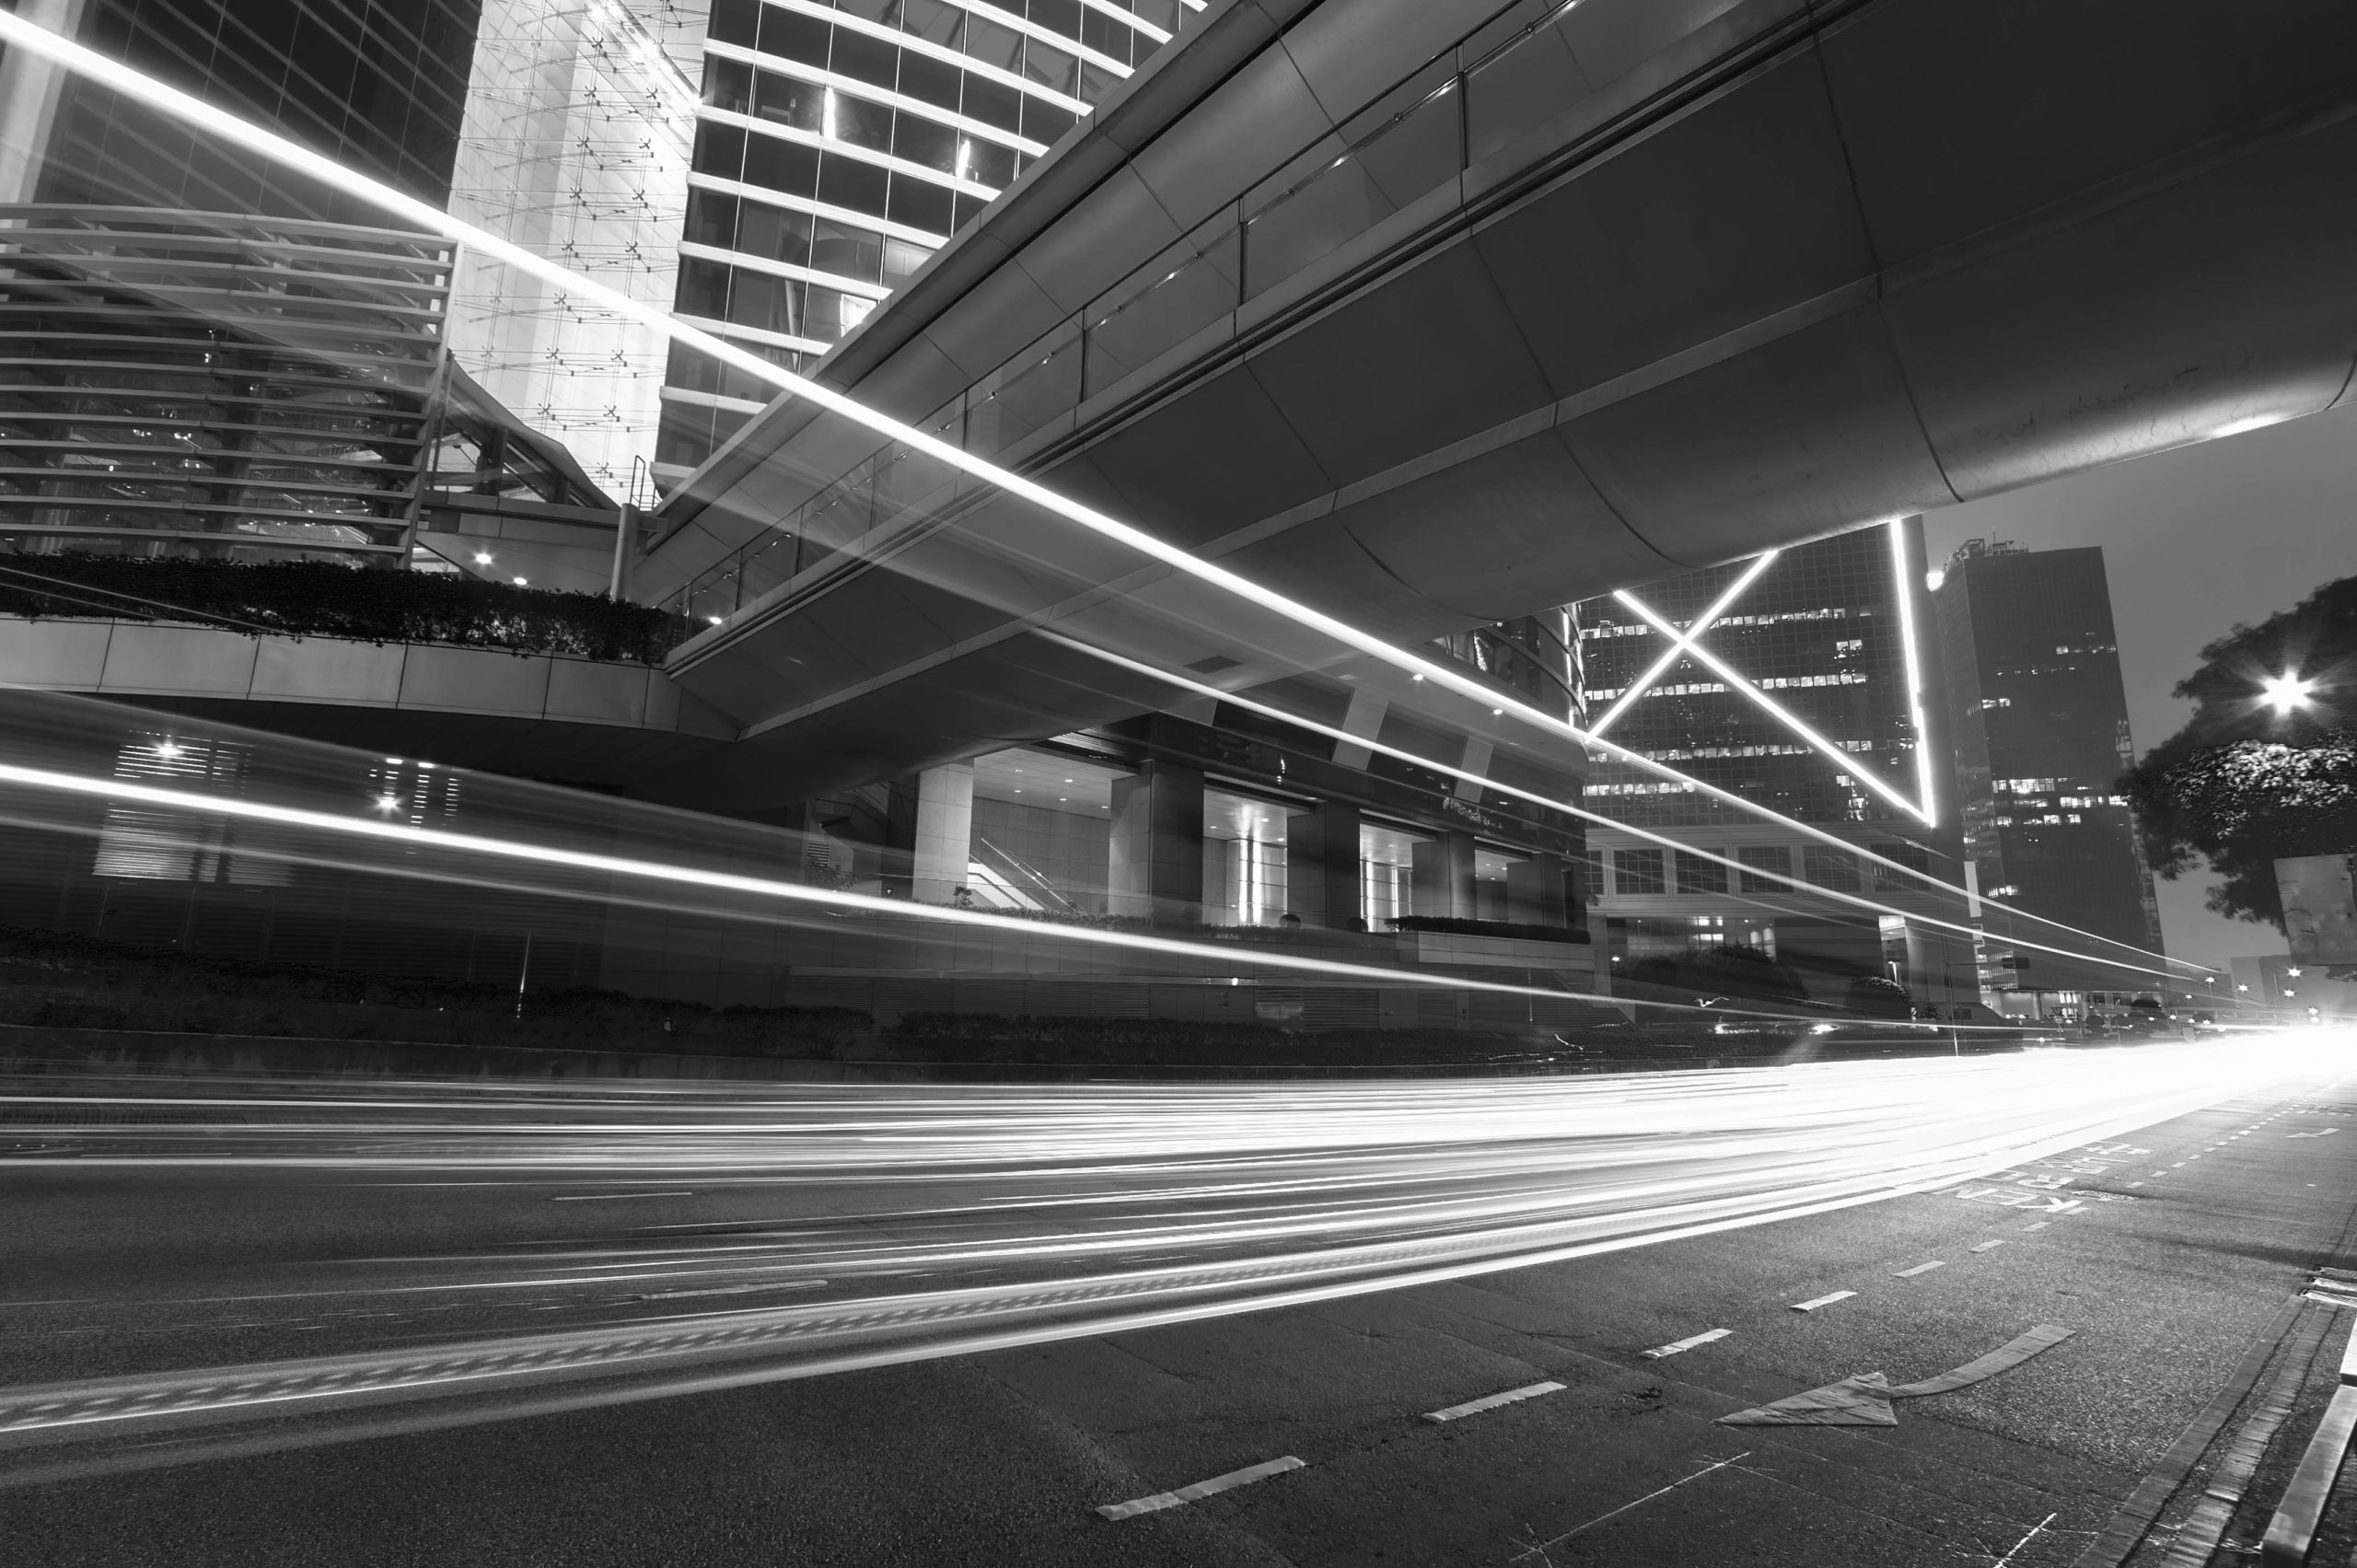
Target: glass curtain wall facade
[
  {"x": 1833, "y": 641},
  {"x": 837, "y": 147},
  {"x": 206, "y": 355},
  {"x": 2041, "y": 719}
]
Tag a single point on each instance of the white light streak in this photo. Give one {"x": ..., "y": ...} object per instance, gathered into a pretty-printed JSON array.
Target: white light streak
[
  {"x": 1784, "y": 716},
  {"x": 1574, "y": 809},
  {"x": 1228, "y": 957},
  {"x": 1638, "y": 687},
  {"x": 15, "y": 31}
]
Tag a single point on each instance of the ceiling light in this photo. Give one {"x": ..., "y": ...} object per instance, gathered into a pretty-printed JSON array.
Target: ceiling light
[{"x": 481, "y": 559}]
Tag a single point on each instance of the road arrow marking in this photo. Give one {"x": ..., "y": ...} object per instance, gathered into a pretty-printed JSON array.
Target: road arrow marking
[{"x": 1864, "y": 1400}]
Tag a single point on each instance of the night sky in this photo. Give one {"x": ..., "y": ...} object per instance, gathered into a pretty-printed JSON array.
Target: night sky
[{"x": 2195, "y": 540}]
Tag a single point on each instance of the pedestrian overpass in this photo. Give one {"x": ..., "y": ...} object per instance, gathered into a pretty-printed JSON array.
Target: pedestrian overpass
[{"x": 1428, "y": 314}]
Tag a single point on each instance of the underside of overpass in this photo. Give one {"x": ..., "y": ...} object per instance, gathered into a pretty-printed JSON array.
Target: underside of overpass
[{"x": 1746, "y": 275}]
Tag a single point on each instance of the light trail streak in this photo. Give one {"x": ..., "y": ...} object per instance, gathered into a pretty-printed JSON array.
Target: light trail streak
[
  {"x": 17, "y": 32},
  {"x": 1060, "y": 1212},
  {"x": 1228, "y": 958},
  {"x": 1733, "y": 865}
]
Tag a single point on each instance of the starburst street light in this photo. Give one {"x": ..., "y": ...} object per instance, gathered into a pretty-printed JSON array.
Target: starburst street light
[{"x": 2283, "y": 692}]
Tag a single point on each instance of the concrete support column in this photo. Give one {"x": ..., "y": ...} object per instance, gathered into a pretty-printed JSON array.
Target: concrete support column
[
  {"x": 28, "y": 93},
  {"x": 1362, "y": 722},
  {"x": 1443, "y": 872},
  {"x": 1322, "y": 866},
  {"x": 1476, "y": 762},
  {"x": 1154, "y": 858},
  {"x": 1534, "y": 890},
  {"x": 942, "y": 844}
]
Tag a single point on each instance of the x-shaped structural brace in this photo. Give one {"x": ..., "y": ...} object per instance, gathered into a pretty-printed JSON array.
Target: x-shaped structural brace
[{"x": 1687, "y": 644}]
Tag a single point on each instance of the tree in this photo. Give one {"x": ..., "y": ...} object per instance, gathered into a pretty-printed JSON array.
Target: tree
[{"x": 2251, "y": 778}]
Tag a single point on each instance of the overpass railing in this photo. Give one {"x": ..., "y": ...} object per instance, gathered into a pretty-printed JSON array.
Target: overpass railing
[{"x": 1477, "y": 98}]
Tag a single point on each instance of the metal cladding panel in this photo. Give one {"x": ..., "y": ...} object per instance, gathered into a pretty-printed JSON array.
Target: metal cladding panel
[
  {"x": 2093, "y": 90},
  {"x": 1431, "y": 356},
  {"x": 322, "y": 669},
  {"x": 597, "y": 694},
  {"x": 1196, "y": 467},
  {"x": 1331, "y": 51},
  {"x": 1092, "y": 247},
  {"x": 2222, "y": 300},
  {"x": 54, "y": 655},
  {"x": 1734, "y": 211},
  {"x": 1810, "y": 434},
  {"x": 475, "y": 680},
  {"x": 1612, "y": 37},
  {"x": 1005, "y": 311},
  {"x": 194, "y": 660},
  {"x": 1320, "y": 564},
  {"x": 1252, "y": 124},
  {"x": 1545, "y": 536}
]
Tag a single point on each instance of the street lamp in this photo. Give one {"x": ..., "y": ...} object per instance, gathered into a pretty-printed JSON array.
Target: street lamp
[{"x": 2283, "y": 692}]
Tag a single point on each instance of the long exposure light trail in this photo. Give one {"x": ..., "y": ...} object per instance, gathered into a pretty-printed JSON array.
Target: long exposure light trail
[
  {"x": 1798, "y": 884},
  {"x": 19, "y": 32},
  {"x": 792, "y": 892},
  {"x": 893, "y": 1224}
]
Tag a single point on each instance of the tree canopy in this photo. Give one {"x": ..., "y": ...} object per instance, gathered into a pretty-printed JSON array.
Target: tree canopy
[{"x": 2247, "y": 781}]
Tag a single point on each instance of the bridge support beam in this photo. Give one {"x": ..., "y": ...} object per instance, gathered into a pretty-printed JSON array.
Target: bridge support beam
[
  {"x": 942, "y": 844},
  {"x": 1444, "y": 876},
  {"x": 1155, "y": 861},
  {"x": 1322, "y": 866}
]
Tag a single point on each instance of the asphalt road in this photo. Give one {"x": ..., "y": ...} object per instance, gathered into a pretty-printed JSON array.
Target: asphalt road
[{"x": 388, "y": 1239}]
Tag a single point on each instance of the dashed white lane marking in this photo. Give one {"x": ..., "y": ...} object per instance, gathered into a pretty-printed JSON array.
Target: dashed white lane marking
[
  {"x": 1162, "y": 1499},
  {"x": 1475, "y": 1407},
  {"x": 1920, "y": 1269},
  {"x": 1989, "y": 1247},
  {"x": 1688, "y": 1342},
  {"x": 609, "y": 1197},
  {"x": 2038, "y": 1225},
  {"x": 2135, "y": 1184},
  {"x": 1823, "y": 1301}
]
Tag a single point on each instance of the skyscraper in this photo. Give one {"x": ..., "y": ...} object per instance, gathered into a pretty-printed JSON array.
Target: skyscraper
[
  {"x": 839, "y": 146},
  {"x": 2041, "y": 720},
  {"x": 217, "y": 357},
  {"x": 1796, "y": 682}
]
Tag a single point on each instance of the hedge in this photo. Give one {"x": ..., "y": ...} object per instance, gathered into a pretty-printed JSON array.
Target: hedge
[
  {"x": 1521, "y": 931},
  {"x": 321, "y": 598}
]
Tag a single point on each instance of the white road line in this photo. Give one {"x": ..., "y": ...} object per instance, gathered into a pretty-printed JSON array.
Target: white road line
[
  {"x": 1475, "y": 1407},
  {"x": 2038, "y": 1225},
  {"x": 608, "y": 1197},
  {"x": 1677, "y": 1346},
  {"x": 1989, "y": 1247},
  {"x": 1823, "y": 1301},
  {"x": 1162, "y": 1499},
  {"x": 2034, "y": 1530},
  {"x": 1920, "y": 1269},
  {"x": 1541, "y": 1548}
]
